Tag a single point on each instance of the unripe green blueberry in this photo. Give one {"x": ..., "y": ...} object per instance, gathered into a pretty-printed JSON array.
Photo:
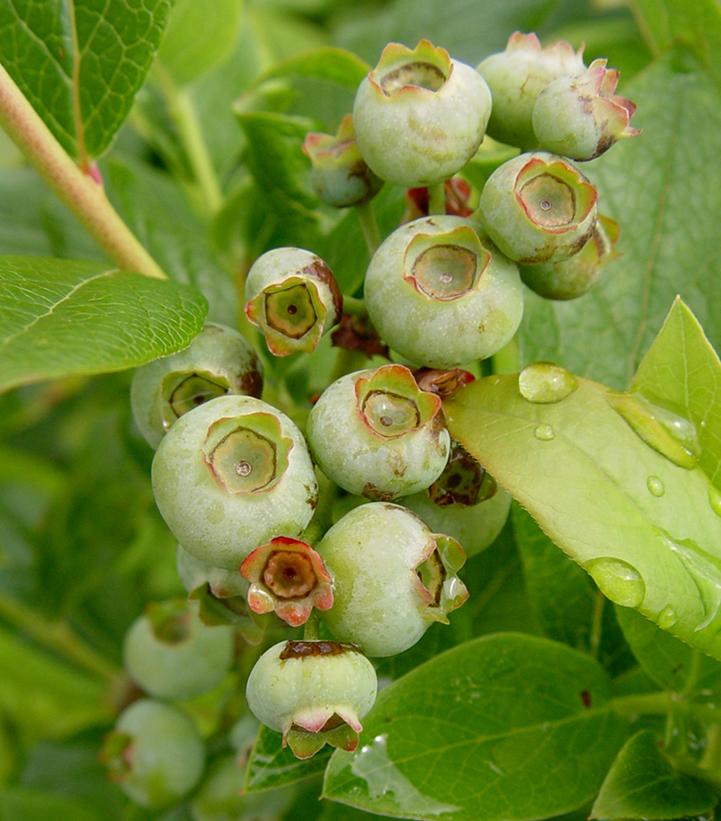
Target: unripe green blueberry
[
  {"x": 580, "y": 117},
  {"x": 393, "y": 577},
  {"x": 464, "y": 502},
  {"x": 517, "y": 76},
  {"x": 573, "y": 277},
  {"x": 230, "y": 475},
  {"x": 339, "y": 174},
  {"x": 538, "y": 208},
  {"x": 218, "y": 361},
  {"x": 419, "y": 115},
  {"x": 154, "y": 753},
  {"x": 314, "y": 692},
  {"x": 377, "y": 434},
  {"x": 441, "y": 296},
  {"x": 292, "y": 296},
  {"x": 171, "y": 654},
  {"x": 222, "y": 582}
]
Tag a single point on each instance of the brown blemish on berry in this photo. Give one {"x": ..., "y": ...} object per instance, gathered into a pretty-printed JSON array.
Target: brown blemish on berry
[
  {"x": 307, "y": 649},
  {"x": 250, "y": 381},
  {"x": 320, "y": 271},
  {"x": 370, "y": 491},
  {"x": 443, "y": 383}
]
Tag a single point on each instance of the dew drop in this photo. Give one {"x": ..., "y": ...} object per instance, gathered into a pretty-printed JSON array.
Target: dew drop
[
  {"x": 655, "y": 486},
  {"x": 618, "y": 580},
  {"x": 714, "y": 499},
  {"x": 667, "y": 618},
  {"x": 545, "y": 433},
  {"x": 545, "y": 383}
]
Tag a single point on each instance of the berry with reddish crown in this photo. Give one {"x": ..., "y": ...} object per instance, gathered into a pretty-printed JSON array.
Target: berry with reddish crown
[
  {"x": 393, "y": 578},
  {"x": 538, "y": 208},
  {"x": 292, "y": 296},
  {"x": 441, "y": 296},
  {"x": 217, "y": 362},
  {"x": 314, "y": 692},
  {"x": 377, "y": 434},
  {"x": 419, "y": 115},
  {"x": 231, "y": 475},
  {"x": 517, "y": 76}
]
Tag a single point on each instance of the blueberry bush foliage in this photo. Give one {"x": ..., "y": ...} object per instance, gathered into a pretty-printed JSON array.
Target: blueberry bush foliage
[{"x": 411, "y": 505}]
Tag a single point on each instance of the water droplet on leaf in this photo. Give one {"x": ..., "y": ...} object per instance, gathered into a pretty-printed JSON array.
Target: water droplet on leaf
[
  {"x": 618, "y": 581},
  {"x": 545, "y": 433},
  {"x": 667, "y": 618},
  {"x": 655, "y": 486},
  {"x": 546, "y": 383}
]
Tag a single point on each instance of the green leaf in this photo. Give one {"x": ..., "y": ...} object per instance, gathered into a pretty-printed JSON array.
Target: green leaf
[
  {"x": 270, "y": 766},
  {"x": 21, "y": 804},
  {"x": 80, "y": 63},
  {"x": 336, "y": 65},
  {"x": 698, "y": 24},
  {"x": 198, "y": 36},
  {"x": 664, "y": 190},
  {"x": 497, "y": 728},
  {"x": 669, "y": 662},
  {"x": 643, "y": 783},
  {"x": 63, "y": 317},
  {"x": 593, "y": 486}
]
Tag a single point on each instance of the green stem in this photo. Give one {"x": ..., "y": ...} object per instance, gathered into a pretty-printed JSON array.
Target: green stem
[
  {"x": 310, "y": 630},
  {"x": 79, "y": 191},
  {"x": 346, "y": 362},
  {"x": 507, "y": 360},
  {"x": 354, "y": 306},
  {"x": 56, "y": 636},
  {"x": 437, "y": 198},
  {"x": 642, "y": 704},
  {"x": 323, "y": 517},
  {"x": 369, "y": 226},
  {"x": 597, "y": 624},
  {"x": 183, "y": 114}
]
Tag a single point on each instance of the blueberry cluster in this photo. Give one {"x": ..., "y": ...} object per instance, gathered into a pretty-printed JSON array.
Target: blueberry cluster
[{"x": 238, "y": 483}]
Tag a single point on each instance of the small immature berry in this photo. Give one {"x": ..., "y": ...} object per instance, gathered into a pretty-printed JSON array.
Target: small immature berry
[
  {"x": 171, "y": 654},
  {"x": 154, "y": 753},
  {"x": 377, "y": 434},
  {"x": 419, "y": 115},
  {"x": 538, "y": 208},
  {"x": 292, "y": 296},
  {"x": 287, "y": 576},
  {"x": 231, "y": 475},
  {"x": 517, "y": 76},
  {"x": 339, "y": 175},
  {"x": 440, "y": 295},
  {"x": 393, "y": 578},
  {"x": 580, "y": 117},
  {"x": 573, "y": 277},
  {"x": 314, "y": 692},
  {"x": 218, "y": 361}
]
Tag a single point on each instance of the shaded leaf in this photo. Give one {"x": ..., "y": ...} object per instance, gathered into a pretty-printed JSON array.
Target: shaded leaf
[
  {"x": 337, "y": 65},
  {"x": 64, "y": 317},
  {"x": 497, "y": 728},
  {"x": 271, "y": 766}
]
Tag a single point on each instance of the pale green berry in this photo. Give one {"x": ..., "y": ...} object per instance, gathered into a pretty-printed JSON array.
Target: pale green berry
[
  {"x": 171, "y": 654},
  {"x": 538, "y": 208},
  {"x": 314, "y": 692},
  {"x": 517, "y": 76},
  {"x": 154, "y": 753},
  {"x": 292, "y": 296},
  {"x": 339, "y": 175},
  {"x": 222, "y": 582},
  {"x": 580, "y": 117},
  {"x": 419, "y": 115},
  {"x": 230, "y": 475},
  {"x": 573, "y": 277},
  {"x": 440, "y": 296},
  {"x": 393, "y": 578},
  {"x": 464, "y": 502},
  {"x": 377, "y": 434},
  {"x": 218, "y": 361}
]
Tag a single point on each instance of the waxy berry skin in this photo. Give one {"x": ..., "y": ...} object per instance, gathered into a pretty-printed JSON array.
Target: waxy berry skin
[
  {"x": 420, "y": 116},
  {"x": 376, "y": 434},
  {"x": 440, "y": 295},
  {"x": 230, "y": 476},
  {"x": 154, "y": 753},
  {"x": 393, "y": 578},
  {"x": 171, "y": 654},
  {"x": 313, "y": 692},
  {"x": 218, "y": 361}
]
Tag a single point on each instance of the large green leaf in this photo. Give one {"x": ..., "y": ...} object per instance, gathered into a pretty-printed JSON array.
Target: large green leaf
[
  {"x": 503, "y": 727},
  {"x": 647, "y": 530},
  {"x": 664, "y": 189},
  {"x": 62, "y": 317},
  {"x": 80, "y": 62},
  {"x": 643, "y": 783}
]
